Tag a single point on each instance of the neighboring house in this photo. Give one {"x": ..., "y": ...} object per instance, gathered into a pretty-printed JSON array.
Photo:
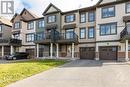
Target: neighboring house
[
  {"x": 6, "y": 42},
  {"x": 24, "y": 26},
  {"x": 98, "y": 32}
]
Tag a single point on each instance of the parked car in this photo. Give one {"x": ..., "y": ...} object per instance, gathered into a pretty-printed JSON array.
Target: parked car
[{"x": 17, "y": 56}]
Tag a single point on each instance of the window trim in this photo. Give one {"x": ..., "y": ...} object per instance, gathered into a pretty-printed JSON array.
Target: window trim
[
  {"x": 50, "y": 16},
  {"x": 89, "y": 17},
  {"x": 126, "y": 7},
  {"x": 28, "y": 25},
  {"x": 107, "y": 8},
  {"x": 85, "y": 17},
  {"x": 110, "y": 30},
  {"x": 69, "y": 15},
  {"x": 30, "y": 34},
  {"x": 83, "y": 28},
  {"x": 93, "y": 32}
]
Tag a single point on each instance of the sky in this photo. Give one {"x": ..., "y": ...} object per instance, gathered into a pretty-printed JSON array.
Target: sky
[{"x": 38, "y": 6}]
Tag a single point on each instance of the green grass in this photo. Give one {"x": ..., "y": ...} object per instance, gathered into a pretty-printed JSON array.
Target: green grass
[{"x": 12, "y": 72}]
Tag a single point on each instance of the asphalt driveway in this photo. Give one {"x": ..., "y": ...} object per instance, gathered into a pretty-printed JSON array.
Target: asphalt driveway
[{"x": 81, "y": 73}]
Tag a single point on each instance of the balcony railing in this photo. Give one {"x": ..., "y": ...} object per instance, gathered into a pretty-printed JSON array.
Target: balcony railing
[
  {"x": 68, "y": 37},
  {"x": 56, "y": 37},
  {"x": 125, "y": 33},
  {"x": 11, "y": 41}
]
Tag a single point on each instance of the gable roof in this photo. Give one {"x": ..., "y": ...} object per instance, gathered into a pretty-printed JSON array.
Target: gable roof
[
  {"x": 110, "y": 3},
  {"x": 49, "y": 7},
  {"x": 5, "y": 21},
  {"x": 31, "y": 13}
]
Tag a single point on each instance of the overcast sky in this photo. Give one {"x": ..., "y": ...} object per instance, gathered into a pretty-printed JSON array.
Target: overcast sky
[{"x": 38, "y": 6}]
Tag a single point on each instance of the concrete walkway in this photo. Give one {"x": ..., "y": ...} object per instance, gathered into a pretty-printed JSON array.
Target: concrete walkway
[{"x": 81, "y": 73}]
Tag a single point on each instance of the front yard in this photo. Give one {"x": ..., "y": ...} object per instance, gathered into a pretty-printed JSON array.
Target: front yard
[{"x": 12, "y": 72}]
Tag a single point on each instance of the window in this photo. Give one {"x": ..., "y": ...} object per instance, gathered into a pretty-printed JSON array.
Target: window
[
  {"x": 108, "y": 29},
  {"x": 91, "y": 16},
  {"x": 41, "y": 24},
  {"x": 91, "y": 32},
  {"x": 108, "y": 12},
  {"x": 70, "y": 34},
  {"x": 129, "y": 47},
  {"x": 1, "y": 35},
  {"x": 39, "y": 36},
  {"x": 30, "y": 25},
  {"x": 17, "y": 25},
  {"x": 128, "y": 7},
  {"x": 16, "y": 36},
  {"x": 0, "y": 28},
  {"x": 51, "y": 19},
  {"x": 69, "y": 18},
  {"x": 82, "y": 18},
  {"x": 82, "y": 33},
  {"x": 30, "y": 37}
]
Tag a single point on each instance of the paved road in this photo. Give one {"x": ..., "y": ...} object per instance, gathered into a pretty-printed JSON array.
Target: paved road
[{"x": 81, "y": 73}]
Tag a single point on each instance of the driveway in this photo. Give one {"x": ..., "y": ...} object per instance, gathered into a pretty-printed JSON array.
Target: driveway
[{"x": 81, "y": 73}]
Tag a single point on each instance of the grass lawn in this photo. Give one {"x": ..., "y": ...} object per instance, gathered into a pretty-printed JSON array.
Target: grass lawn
[{"x": 12, "y": 72}]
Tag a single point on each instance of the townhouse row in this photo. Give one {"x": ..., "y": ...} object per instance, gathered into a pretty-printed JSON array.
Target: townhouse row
[{"x": 99, "y": 32}]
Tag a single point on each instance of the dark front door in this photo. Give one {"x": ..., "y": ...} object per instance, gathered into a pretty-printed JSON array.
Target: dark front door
[
  {"x": 108, "y": 53},
  {"x": 31, "y": 53},
  {"x": 87, "y": 53}
]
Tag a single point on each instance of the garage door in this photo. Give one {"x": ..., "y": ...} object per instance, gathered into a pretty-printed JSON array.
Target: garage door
[
  {"x": 87, "y": 53},
  {"x": 108, "y": 53}
]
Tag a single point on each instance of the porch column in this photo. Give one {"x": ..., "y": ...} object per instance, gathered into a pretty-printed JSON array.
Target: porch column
[
  {"x": 97, "y": 52},
  {"x": 57, "y": 49},
  {"x": 51, "y": 50},
  {"x": 72, "y": 50},
  {"x": 2, "y": 51},
  {"x": 37, "y": 50},
  {"x": 11, "y": 49},
  {"x": 126, "y": 51}
]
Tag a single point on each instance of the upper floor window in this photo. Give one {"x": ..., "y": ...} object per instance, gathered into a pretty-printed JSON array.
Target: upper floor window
[
  {"x": 91, "y": 16},
  {"x": 108, "y": 12},
  {"x": 17, "y": 25},
  {"x": 108, "y": 29},
  {"x": 82, "y": 18},
  {"x": 69, "y": 18},
  {"x": 0, "y": 28},
  {"x": 91, "y": 32},
  {"x": 82, "y": 33},
  {"x": 39, "y": 36},
  {"x": 51, "y": 19},
  {"x": 30, "y": 25},
  {"x": 128, "y": 7},
  {"x": 69, "y": 34},
  {"x": 41, "y": 24},
  {"x": 30, "y": 37}
]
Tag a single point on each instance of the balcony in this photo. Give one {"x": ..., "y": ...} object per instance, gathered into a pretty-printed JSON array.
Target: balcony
[
  {"x": 11, "y": 41},
  {"x": 68, "y": 38},
  {"x": 45, "y": 39},
  {"x": 125, "y": 34}
]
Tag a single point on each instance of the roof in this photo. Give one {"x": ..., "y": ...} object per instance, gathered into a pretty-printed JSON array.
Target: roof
[
  {"x": 30, "y": 12},
  {"x": 5, "y": 21},
  {"x": 50, "y": 6}
]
